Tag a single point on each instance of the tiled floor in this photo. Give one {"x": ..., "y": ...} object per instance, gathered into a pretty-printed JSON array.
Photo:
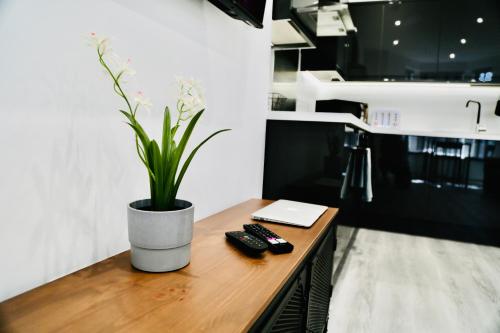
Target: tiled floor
[{"x": 400, "y": 283}]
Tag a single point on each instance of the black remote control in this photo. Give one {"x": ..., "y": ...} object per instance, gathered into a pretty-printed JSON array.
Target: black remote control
[
  {"x": 276, "y": 243},
  {"x": 246, "y": 242}
]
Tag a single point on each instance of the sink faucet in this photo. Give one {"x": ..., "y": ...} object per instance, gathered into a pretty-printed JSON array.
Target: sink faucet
[{"x": 479, "y": 128}]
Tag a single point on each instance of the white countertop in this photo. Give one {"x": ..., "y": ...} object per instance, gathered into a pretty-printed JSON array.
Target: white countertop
[
  {"x": 351, "y": 120},
  {"x": 439, "y": 134},
  {"x": 324, "y": 117}
]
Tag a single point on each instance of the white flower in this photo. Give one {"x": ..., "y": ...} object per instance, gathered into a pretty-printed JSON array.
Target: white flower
[
  {"x": 190, "y": 100},
  {"x": 125, "y": 67},
  {"x": 120, "y": 67},
  {"x": 142, "y": 100},
  {"x": 101, "y": 43}
]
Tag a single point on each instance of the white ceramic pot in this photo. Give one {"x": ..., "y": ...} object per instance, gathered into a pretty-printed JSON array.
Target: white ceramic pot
[{"x": 160, "y": 241}]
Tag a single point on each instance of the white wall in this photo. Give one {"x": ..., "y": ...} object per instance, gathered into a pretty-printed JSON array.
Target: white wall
[
  {"x": 68, "y": 162},
  {"x": 423, "y": 107}
]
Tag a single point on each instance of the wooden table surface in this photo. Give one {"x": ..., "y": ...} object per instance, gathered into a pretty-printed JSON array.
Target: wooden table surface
[{"x": 221, "y": 290}]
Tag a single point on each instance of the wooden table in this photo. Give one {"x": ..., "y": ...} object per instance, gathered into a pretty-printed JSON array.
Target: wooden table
[{"x": 221, "y": 290}]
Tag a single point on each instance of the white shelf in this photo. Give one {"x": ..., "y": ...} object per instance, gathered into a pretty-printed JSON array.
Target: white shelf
[
  {"x": 351, "y": 120},
  {"x": 343, "y": 118},
  {"x": 439, "y": 134}
]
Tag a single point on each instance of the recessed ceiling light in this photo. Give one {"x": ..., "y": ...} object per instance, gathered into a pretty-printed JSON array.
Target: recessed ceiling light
[
  {"x": 479, "y": 20},
  {"x": 463, "y": 41},
  {"x": 397, "y": 23},
  {"x": 395, "y": 42},
  {"x": 452, "y": 55}
]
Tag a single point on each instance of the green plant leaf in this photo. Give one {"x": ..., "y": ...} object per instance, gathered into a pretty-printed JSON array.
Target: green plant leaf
[
  {"x": 154, "y": 157},
  {"x": 174, "y": 130},
  {"x": 190, "y": 158},
  {"x": 144, "y": 159},
  {"x": 185, "y": 137},
  {"x": 177, "y": 154},
  {"x": 127, "y": 115},
  {"x": 166, "y": 144},
  {"x": 154, "y": 160},
  {"x": 139, "y": 131}
]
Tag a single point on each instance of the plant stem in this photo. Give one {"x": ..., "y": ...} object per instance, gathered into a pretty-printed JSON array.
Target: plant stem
[{"x": 116, "y": 82}]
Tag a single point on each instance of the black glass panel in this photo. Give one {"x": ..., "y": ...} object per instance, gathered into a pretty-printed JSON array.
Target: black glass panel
[
  {"x": 438, "y": 187},
  {"x": 410, "y": 40},
  {"x": 395, "y": 41},
  {"x": 470, "y": 41},
  {"x": 362, "y": 49},
  {"x": 423, "y": 40}
]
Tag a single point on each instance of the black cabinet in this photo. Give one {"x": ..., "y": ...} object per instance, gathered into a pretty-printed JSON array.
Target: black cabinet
[
  {"x": 470, "y": 41},
  {"x": 303, "y": 304},
  {"x": 323, "y": 57},
  {"x": 304, "y": 161},
  {"x": 395, "y": 41},
  {"x": 290, "y": 315},
  {"x": 439, "y": 187},
  {"x": 435, "y": 186},
  {"x": 281, "y": 9},
  {"x": 361, "y": 51},
  {"x": 410, "y": 40},
  {"x": 320, "y": 289},
  {"x": 423, "y": 40}
]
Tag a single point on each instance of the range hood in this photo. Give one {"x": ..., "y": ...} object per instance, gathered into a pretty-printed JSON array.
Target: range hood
[
  {"x": 286, "y": 33},
  {"x": 326, "y": 20},
  {"x": 307, "y": 20}
]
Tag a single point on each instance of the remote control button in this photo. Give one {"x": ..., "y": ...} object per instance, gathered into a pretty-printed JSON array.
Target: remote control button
[{"x": 274, "y": 242}]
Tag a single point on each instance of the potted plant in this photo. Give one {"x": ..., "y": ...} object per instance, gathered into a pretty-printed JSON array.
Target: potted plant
[{"x": 161, "y": 227}]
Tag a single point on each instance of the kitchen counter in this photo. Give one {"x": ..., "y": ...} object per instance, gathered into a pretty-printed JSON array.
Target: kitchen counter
[
  {"x": 344, "y": 118},
  {"x": 352, "y": 121}
]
